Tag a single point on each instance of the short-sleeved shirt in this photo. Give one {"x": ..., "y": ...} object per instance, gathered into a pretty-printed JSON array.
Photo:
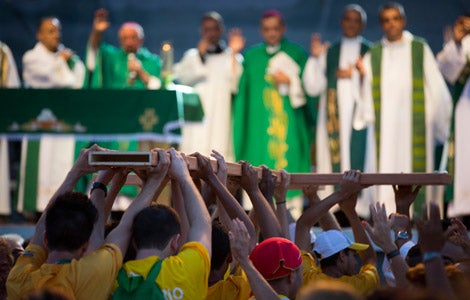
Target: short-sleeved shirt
[
  {"x": 182, "y": 276},
  {"x": 234, "y": 287},
  {"x": 364, "y": 282},
  {"x": 90, "y": 277}
]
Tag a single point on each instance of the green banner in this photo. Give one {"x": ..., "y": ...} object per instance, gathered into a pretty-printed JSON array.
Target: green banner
[{"x": 98, "y": 114}]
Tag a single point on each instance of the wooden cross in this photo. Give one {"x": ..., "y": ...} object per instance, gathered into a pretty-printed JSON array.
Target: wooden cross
[{"x": 135, "y": 160}]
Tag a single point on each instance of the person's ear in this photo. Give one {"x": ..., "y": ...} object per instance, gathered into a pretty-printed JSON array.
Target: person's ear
[
  {"x": 45, "y": 241},
  {"x": 291, "y": 277},
  {"x": 174, "y": 243},
  {"x": 84, "y": 249}
]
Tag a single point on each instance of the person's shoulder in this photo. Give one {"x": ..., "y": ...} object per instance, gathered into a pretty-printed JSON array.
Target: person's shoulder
[
  {"x": 147, "y": 53},
  {"x": 291, "y": 46},
  {"x": 369, "y": 271},
  {"x": 31, "y": 51},
  {"x": 194, "y": 246},
  {"x": 255, "y": 50},
  {"x": 108, "y": 48},
  {"x": 106, "y": 249},
  {"x": 420, "y": 40},
  {"x": 191, "y": 52}
]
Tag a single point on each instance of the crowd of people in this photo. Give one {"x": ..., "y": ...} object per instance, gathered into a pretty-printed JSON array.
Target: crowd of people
[
  {"x": 204, "y": 245},
  {"x": 379, "y": 107}
]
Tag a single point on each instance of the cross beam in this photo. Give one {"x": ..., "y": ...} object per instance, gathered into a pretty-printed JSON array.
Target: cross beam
[{"x": 112, "y": 159}]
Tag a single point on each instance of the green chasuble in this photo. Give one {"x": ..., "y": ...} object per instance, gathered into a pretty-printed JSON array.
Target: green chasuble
[
  {"x": 111, "y": 72},
  {"x": 111, "y": 68},
  {"x": 267, "y": 130},
  {"x": 358, "y": 137}
]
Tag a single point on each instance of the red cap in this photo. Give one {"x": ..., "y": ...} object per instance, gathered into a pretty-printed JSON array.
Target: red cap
[{"x": 276, "y": 258}]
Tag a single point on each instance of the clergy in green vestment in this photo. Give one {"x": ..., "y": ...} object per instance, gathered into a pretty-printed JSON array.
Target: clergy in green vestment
[
  {"x": 130, "y": 66},
  {"x": 269, "y": 122}
]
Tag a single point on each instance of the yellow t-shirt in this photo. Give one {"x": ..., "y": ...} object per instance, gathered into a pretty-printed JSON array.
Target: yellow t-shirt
[
  {"x": 90, "y": 277},
  {"x": 182, "y": 276},
  {"x": 365, "y": 281},
  {"x": 234, "y": 287}
]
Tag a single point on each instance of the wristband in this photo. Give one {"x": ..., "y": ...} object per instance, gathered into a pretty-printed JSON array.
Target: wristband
[
  {"x": 392, "y": 254},
  {"x": 280, "y": 202},
  {"x": 101, "y": 186},
  {"x": 430, "y": 255}
]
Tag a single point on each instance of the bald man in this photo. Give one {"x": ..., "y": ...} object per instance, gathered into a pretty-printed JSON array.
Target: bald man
[{"x": 130, "y": 66}]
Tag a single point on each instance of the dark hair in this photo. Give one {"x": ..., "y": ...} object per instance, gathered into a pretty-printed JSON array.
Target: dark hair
[
  {"x": 220, "y": 245},
  {"x": 392, "y": 5},
  {"x": 330, "y": 260},
  {"x": 70, "y": 221},
  {"x": 6, "y": 263},
  {"x": 154, "y": 226},
  {"x": 414, "y": 256}
]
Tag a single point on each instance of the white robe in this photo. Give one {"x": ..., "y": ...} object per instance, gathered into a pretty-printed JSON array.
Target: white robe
[
  {"x": 12, "y": 80},
  {"x": 451, "y": 61},
  {"x": 396, "y": 113},
  {"x": 215, "y": 82},
  {"x": 315, "y": 83},
  {"x": 45, "y": 69}
]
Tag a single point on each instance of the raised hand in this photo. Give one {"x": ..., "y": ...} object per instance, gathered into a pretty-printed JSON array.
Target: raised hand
[
  {"x": 317, "y": 48},
  {"x": 249, "y": 178},
  {"x": 179, "y": 166},
  {"x": 236, "y": 41},
  {"x": 239, "y": 240},
  {"x": 430, "y": 233},
  {"x": 82, "y": 165},
  {"x": 267, "y": 183},
  {"x": 404, "y": 197},
  {"x": 101, "y": 22},
  {"x": 281, "y": 190},
  {"x": 203, "y": 46},
  {"x": 380, "y": 231},
  {"x": 350, "y": 184},
  {"x": 221, "y": 166},
  {"x": 204, "y": 166}
]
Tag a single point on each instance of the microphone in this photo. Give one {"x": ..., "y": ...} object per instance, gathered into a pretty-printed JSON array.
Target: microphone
[{"x": 132, "y": 75}]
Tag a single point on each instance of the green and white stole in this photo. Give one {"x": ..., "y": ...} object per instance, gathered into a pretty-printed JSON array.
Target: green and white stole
[
  {"x": 456, "y": 93},
  {"x": 358, "y": 138},
  {"x": 418, "y": 106}
]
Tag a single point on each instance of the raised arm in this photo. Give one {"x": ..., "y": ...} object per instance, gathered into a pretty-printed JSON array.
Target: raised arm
[
  {"x": 280, "y": 193},
  {"x": 380, "y": 234},
  {"x": 315, "y": 212},
  {"x": 198, "y": 216},
  {"x": 226, "y": 203},
  {"x": 80, "y": 168},
  {"x": 328, "y": 220},
  {"x": 348, "y": 206},
  {"x": 178, "y": 204},
  {"x": 121, "y": 235},
  {"x": 103, "y": 203},
  {"x": 241, "y": 250},
  {"x": 431, "y": 240},
  {"x": 405, "y": 195},
  {"x": 100, "y": 24},
  {"x": 266, "y": 218}
]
